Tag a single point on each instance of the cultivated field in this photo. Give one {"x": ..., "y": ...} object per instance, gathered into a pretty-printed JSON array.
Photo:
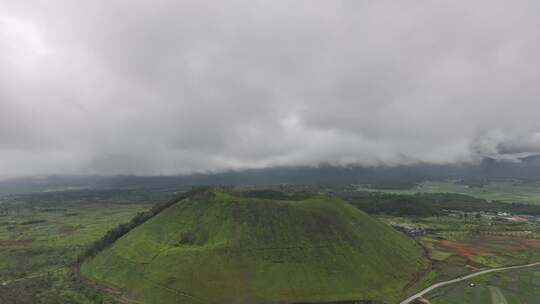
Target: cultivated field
[
  {"x": 510, "y": 192},
  {"x": 509, "y": 287},
  {"x": 41, "y": 236},
  {"x": 458, "y": 244}
]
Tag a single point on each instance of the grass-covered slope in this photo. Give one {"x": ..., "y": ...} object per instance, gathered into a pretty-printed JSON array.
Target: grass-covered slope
[{"x": 221, "y": 248}]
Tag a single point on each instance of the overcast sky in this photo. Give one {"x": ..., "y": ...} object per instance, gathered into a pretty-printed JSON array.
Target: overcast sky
[{"x": 166, "y": 87}]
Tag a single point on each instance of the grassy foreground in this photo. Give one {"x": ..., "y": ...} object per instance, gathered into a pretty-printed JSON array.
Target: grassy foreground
[{"x": 223, "y": 248}]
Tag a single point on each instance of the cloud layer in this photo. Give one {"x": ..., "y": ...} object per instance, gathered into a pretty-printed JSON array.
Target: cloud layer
[{"x": 166, "y": 87}]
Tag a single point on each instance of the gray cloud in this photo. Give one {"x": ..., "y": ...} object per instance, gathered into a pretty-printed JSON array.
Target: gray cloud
[{"x": 164, "y": 87}]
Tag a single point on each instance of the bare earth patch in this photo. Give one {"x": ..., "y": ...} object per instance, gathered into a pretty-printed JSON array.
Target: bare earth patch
[
  {"x": 489, "y": 245},
  {"x": 461, "y": 248}
]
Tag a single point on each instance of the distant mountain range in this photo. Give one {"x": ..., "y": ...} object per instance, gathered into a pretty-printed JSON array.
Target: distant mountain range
[{"x": 527, "y": 168}]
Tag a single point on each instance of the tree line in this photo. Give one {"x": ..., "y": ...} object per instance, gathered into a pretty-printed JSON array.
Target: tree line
[
  {"x": 430, "y": 204},
  {"x": 114, "y": 234}
]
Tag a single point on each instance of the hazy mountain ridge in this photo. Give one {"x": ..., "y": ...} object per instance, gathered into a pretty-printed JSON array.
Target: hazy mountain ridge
[{"x": 527, "y": 168}]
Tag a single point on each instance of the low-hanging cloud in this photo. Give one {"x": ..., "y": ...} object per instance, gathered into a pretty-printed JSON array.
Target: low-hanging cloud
[{"x": 166, "y": 87}]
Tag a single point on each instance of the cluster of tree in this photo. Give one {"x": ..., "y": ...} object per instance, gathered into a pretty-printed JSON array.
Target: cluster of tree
[
  {"x": 430, "y": 204},
  {"x": 114, "y": 234},
  {"x": 393, "y": 204},
  {"x": 4, "y": 210},
  {"x": 393, "y": 185}
]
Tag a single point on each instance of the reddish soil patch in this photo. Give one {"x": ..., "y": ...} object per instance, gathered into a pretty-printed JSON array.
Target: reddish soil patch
[
  {"x": 15, "y": 242},
  {"x": 487, "y": 245},
  {"x": 534, "y": 243},
  {"x": 461, "y": 249}
]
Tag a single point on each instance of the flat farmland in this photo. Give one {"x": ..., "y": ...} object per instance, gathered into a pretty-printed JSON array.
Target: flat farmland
[
  {"x": 521, "y": 286},
  {"x": 41, "y": 236},
  {"x": 508, "y": 191}
]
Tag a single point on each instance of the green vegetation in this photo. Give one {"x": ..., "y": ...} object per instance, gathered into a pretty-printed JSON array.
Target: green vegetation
[
  {"x": 114, "y": 234},
  {"x": 429, "y": 204},
  {"x": 460, "y": 243},
  {"x": 42, "y": 235},
  {"x": 283, "y": 245},
  {"x": 513, "y": 286},
  {"x": 392, "y": 185},
  {"x": 244, "y": 248},
  {"x": 507, "y": 191}
]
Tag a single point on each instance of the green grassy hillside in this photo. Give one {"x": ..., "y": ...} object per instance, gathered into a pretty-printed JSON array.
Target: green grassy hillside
[{"x": 222, "y": 248}]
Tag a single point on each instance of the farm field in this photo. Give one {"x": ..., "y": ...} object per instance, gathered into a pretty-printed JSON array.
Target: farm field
[
  {"x": 510, "y": 192},
  {"x": 458, "y": 244},
  {"x": 520, "y": 286},
  {"x": 41, "y": 236}
]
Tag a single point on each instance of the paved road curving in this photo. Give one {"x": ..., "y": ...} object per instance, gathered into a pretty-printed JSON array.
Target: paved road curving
[{"x": 441, "y": 284}]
